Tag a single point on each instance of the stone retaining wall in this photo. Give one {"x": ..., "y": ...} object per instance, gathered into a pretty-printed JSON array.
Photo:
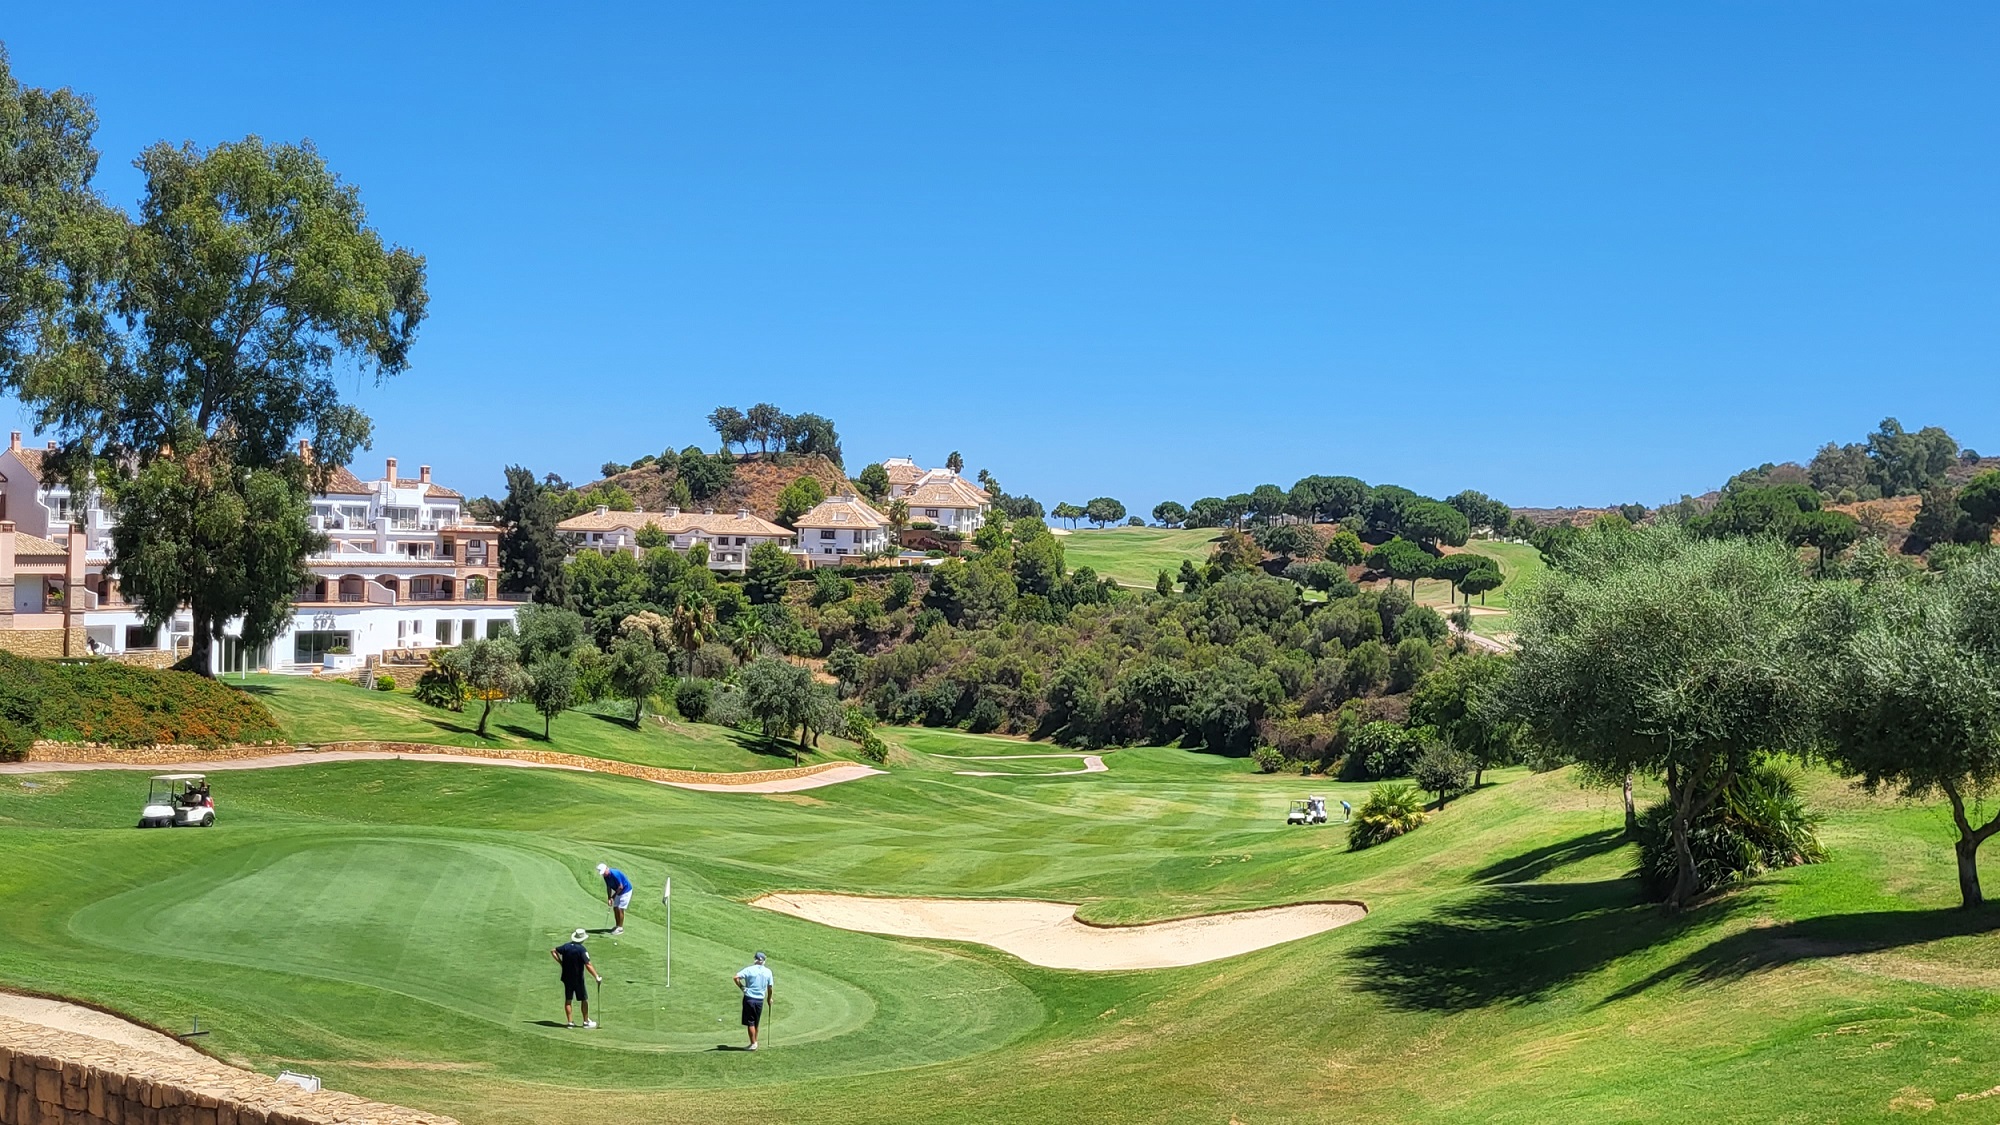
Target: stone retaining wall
[
  {"x": 46, "y": 644},
  {"x": 52, "y": 1077},
  {"x": 46, "y": 751}
]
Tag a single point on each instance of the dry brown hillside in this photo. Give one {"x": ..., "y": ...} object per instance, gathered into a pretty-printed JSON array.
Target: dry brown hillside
[{"x": 759, "y": 479}]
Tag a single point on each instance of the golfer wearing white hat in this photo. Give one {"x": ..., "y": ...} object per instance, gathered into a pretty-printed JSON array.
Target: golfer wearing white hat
[
  {"x": 575, "y": 961},
  {"x": 617, "y": 893}
]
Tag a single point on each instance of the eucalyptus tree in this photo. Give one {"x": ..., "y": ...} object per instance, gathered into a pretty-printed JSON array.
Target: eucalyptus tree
[{"x": 191, "y": 349}]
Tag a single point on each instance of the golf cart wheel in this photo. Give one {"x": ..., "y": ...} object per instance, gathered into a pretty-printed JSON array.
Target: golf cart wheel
[{"x": 208, "y": 821}]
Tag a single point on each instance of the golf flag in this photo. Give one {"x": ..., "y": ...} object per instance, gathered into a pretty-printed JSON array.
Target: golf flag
[{"x": 667, "y": 894}]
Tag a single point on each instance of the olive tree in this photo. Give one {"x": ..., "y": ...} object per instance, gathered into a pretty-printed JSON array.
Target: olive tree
[
  {"x": 1653, "y": 652},
  {"x": 1914, "y": 696}
]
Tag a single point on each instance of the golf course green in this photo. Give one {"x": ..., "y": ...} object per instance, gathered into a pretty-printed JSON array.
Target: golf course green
[{"x": 386, "y": 925}]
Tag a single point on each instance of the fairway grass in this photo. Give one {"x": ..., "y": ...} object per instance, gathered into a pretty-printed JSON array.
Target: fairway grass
[
  {"x": 1135, "y": 556},
  {"x": 311, "y": 711},
  {"x": 386, "y": 925}
]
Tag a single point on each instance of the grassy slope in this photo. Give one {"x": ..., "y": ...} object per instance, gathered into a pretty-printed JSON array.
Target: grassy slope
[
  {"x": 312, "y": 710},
  {"x": 1136, "y": 555},
  {"x": 385, "y": 924}
]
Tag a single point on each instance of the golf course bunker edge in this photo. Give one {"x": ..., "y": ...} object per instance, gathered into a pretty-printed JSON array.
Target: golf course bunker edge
[{"x": 1049, "y": 934}]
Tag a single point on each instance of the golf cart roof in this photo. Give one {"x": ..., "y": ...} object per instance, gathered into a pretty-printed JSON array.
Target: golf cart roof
[{"x": 178, "y": 777}]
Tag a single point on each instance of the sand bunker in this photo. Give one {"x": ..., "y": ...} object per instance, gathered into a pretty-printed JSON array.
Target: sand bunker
[
  {"x": 1048, "y": 933},
  {"x": 834, "y": 776},
  {"x": 1091, "y": 764},
  {"x": 98, "y": 1025}
]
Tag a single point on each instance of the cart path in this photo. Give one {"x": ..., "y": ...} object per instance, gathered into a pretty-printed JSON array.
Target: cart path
[
  {"x": 787, "y": 781},
  {"x": 1092, "y": 763},
  {"x": 117, "y": 1030},
  {"x": 1049, "y": 933}
]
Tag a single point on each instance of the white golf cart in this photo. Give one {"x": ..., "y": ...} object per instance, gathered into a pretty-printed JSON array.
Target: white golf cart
[
  {"x": 178, "y": 800},
  {"x": 1312, "y": 810}
]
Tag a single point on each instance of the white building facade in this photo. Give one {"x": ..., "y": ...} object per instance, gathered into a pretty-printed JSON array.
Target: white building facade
[
  {"x": 729, "y": 537},
  {"x": 840, "y": 528}
]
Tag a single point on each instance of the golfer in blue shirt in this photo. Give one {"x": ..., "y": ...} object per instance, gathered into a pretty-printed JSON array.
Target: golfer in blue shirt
[
  {"x": 618, "y": 893},
  {"x": 755, "y": 982}
]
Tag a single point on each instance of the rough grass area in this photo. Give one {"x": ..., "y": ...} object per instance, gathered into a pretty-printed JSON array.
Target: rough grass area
[
  {"x": 313, "y": 711},
  {"x": 386, "y": 925},
  {"x": 1135, "y": 556},
  {"x": 120, "y": 704}
]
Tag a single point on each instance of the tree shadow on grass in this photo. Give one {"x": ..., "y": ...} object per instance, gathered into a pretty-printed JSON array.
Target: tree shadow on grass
[
  {"x": 1515, "y": 943},
  {"x": 1532, "y": 865},
  {"x": 1762, "y": 948}
]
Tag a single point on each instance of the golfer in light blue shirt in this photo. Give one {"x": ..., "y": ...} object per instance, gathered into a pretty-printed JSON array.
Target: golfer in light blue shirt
[{"x": 755, "y": 982}]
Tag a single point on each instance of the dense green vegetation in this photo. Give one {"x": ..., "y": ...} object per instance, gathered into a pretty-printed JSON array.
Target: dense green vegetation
[{"x": 100, "y": 701}]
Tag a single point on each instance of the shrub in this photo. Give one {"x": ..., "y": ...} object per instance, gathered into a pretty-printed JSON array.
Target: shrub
[
  {"x": 123, "y": 705},
  {"x": 1381, "y": 749},
  {"x": 692, "y": 698},
  {"x": 1759, "y": 823},
  {"x": 1269, "y": 759},
  {"x": 443, "y": 683},
  {"x": 15, "y": 740},
  {"x": 385, "y": 683},
  {"x": 1443, "y": 771},
  {"x": 873, "y": 748},
  {"x": 1390, "y": 811},
  {"x": 726, "y": 707},
  {"x": 986, "y": 716}
]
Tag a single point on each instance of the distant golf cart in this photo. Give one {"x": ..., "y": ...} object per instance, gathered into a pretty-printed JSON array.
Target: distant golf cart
[
  {"x": 1312, "y": 810},
  {"x": 178, "y": 800}
]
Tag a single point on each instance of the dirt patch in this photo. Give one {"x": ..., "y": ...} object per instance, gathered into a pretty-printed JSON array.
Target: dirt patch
[
  {"x": 79, "y": 1020},
  {"x": 794, "y": 799},
  {"x": 1092, "y": 763},
  {"x": 832, "y": 776},
  {"x": 1049, "y": 934}
]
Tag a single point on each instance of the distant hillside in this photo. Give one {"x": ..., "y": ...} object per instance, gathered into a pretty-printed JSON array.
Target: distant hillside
[{"x": 758, "y": 481}]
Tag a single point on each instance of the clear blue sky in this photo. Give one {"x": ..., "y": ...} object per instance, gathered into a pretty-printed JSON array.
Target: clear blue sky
[{"x": 1574, "y": 253}]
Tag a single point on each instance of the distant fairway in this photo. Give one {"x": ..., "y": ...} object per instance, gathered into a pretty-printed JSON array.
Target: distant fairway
[
  {"x": 1135, "y": 556},
  {"x": 1520, "y": 564},
  {"x": 386, "y": 926}
]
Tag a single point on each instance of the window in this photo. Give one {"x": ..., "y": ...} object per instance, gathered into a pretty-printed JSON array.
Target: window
[
  {"x": 739, "y": 541},
  {"x": 309, "y": 646},
  {"x": 496, "y": 629},
  {"x": 401, "y": 519},
  {"x": 930, "y": 513},
  {"x": 827, "y": 533},
  {"x": 354, "y": 516},
  {"x": 444, "y": 630},
  {"x": 468, "y": 629},
  {"x": 475, "y": 588},
  {"x": 141, "y": 636}
]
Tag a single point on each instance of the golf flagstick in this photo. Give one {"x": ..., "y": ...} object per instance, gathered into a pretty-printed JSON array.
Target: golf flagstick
[{"x": 667, "y": 897}]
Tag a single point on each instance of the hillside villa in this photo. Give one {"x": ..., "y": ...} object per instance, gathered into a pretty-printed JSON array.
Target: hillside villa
[
  {"x": 728, "y": 538},
  {"x": 404, "y": 568},
  {"x": 938, "y": 497},
  {"x": 840, "y": 527}
]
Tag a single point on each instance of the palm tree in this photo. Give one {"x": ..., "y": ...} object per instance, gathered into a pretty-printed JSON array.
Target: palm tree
[
  {"x": 749, "y": 637},
  {"x": 899, "y": 516},
  {"x": 690, "y": 627}
]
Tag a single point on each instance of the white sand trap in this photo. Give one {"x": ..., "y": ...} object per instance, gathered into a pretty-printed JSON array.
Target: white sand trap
[
  {"x": 1048, "y": 933},
  {"x": 834, "y": 776},
  {"x": 98, "y": 1025},
  {"x": 1091, "y": 764}
]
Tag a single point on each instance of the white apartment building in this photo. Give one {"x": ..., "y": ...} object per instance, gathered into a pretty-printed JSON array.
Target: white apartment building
[
  {"x": 404, "y": 569},
  {"x": 729, "y": 537},
  {"x": 840, "y": 527},
  {"x": 946, "y": 500}
]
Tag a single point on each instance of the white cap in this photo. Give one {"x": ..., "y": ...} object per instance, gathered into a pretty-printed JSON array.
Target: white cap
[{"x": 603, "y": 868}]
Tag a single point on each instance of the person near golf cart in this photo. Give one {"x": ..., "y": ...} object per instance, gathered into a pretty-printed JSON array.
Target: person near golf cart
[
  {"x": 618, "y": 893},
  {"x": 756, "y": 983},
  {"x": 575, "y": 961}
]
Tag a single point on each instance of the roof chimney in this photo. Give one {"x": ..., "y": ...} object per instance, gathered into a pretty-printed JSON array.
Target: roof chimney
[
  {"x": 603, "y": 510},
  {"x": 423, "y": 474},
  {"x": 52, "y": 447},
  {"x": 305, "y": 451},
  {"x": 392, "y": 470},
  {"x": 670, "y": 511},
  {"x": 742, "y": 513},
  {"x": 708, "y": 511},
  {"x": 14, "y": 441}
]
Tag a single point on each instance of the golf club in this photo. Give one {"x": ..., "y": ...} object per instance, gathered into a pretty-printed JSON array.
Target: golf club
[{"x": 600, "y": 1001}]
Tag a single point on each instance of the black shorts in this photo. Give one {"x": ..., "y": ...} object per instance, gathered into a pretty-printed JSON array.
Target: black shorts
[
  {"x": 753, "y": 1012},
  {"x": 575, "y": 989}
]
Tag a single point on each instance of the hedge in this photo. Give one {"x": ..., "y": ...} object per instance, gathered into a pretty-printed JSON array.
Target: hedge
[{"x": 121, "y": 705}]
